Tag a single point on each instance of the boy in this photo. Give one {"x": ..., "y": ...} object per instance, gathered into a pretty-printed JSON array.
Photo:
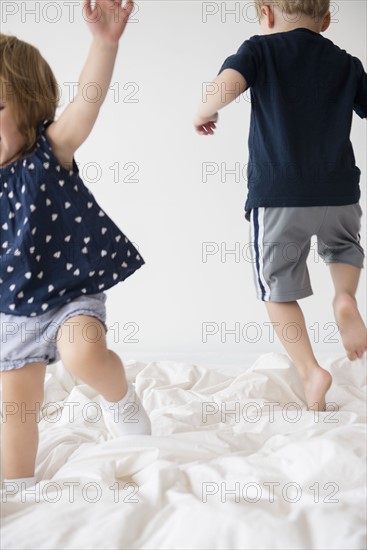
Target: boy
[{"x": 302, "y": 177}]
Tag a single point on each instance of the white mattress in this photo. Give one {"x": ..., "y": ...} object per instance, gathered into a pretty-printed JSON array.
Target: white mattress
[{"x": 181, "y": 473}]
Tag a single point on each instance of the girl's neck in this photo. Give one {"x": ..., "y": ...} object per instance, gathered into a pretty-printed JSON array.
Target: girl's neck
[
  {"x": 19, "y": 155},
  {"x": 10, "y": 161}
]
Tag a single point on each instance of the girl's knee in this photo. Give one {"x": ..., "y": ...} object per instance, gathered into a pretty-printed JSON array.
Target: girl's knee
[{"x": 81, "y": 358}]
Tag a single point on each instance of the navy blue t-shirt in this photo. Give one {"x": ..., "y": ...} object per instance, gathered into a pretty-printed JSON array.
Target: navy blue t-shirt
[{"x": 303, "y": 91}]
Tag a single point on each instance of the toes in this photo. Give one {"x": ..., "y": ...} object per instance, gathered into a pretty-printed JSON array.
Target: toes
[{"x": 352, "y": 356}]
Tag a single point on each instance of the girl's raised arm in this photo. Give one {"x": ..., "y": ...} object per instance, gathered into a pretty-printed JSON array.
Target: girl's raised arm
[{"x": 107, "y": 22}]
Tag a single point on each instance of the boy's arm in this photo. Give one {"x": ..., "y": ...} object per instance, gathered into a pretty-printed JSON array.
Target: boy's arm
[
  {"x": 224, "y": 89},
  {"x": 107, "y": 22}
]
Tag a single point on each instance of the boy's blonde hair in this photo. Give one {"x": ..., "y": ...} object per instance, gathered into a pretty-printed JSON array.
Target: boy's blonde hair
[
  {"x": 28, "y": 84},
  {"x": 313, "y": 8}
]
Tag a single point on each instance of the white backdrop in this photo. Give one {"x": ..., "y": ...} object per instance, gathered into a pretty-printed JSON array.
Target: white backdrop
[{"x": 145, "y": 128}]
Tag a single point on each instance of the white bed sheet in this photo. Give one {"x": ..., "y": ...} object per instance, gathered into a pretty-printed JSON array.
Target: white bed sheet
[{"x": 187, "y": 458}]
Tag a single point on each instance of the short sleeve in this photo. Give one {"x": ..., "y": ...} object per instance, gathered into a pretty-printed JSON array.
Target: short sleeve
[
  {"x": 246, "y": 61},
  {"x": 360, "y": 99},
  {"x": 48, "y": 157}
]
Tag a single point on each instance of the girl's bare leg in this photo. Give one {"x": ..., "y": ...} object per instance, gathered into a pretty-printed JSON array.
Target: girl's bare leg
[
  {"x": 22, "y": 395},
  {"x": 84, "y": 353},
  {"x": 87, "y": 357}
]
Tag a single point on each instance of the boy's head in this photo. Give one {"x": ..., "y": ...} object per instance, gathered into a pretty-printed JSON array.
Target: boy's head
[
  {"x": 28, "y": 95},
  {"x": 285, "y": 15}
]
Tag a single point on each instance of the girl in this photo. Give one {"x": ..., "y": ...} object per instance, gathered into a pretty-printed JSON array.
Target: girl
[{"x": 59, "y": 250}]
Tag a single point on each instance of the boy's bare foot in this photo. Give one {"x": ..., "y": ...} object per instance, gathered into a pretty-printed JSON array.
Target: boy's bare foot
[
  {"x": 316, "y": 384},
  {"x": 351, "y": 326}
]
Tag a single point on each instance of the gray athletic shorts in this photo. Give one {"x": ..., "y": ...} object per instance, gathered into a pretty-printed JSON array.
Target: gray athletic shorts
[
  {"x": 34, "y": 339},
  {"x": 280, "y": 238}
]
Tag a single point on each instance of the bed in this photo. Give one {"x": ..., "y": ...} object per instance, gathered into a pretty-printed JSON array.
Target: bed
[{"x": 235, "y": 461}]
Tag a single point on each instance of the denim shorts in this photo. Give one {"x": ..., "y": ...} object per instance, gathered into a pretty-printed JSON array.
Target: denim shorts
[
  {"x": 33, "y": 339},
  {"x": 281, "y": 239}
]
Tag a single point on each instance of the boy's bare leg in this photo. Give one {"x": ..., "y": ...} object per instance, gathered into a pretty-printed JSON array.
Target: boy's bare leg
[
  {"x": 350, "y": 323},
  {"x": 315, "y": 380},
  {"x": 22, "y": 393}
]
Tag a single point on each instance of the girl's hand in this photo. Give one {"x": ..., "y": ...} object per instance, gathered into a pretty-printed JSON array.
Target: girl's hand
[
  {"x": 205, "y": 125},
  {"x": 107, "y": 20}
]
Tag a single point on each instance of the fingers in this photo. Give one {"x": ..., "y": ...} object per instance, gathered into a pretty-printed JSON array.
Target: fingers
[
  {"x": 129, "y": 6},
  {"x": 206, "y": 129},
  {"x": 87, "y": 8},
  {"x": 210, "y": 127},
  {"x": 108, "y": 4}
]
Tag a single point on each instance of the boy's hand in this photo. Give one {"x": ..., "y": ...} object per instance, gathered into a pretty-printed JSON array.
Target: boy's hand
[
  {"x": 107, "y": 20},
  {"x": 205, "y": 125}
]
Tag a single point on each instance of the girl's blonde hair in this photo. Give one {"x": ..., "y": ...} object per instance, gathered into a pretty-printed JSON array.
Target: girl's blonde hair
[
  {"x": 28, "y": 84},
  {"x": 313, "y": 8}
]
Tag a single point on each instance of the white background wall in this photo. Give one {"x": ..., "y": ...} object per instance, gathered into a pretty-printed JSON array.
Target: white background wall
[{"x": 167, "y": 52}]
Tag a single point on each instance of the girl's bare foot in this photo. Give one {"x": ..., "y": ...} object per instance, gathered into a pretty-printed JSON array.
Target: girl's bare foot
[
  {"x": 315, "y": 385},
  {"x": 351, "y": 326}
]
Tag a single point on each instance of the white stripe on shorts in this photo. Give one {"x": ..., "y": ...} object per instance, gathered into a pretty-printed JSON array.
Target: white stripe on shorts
[{"x": 261, "y": 212}]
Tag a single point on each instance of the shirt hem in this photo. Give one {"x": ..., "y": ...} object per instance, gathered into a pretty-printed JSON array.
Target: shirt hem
[
  {"x": 106, "y": 285},
  {"x": 310, "y": 201}
]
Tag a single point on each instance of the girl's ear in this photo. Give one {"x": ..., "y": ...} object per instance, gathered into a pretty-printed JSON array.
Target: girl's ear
[{"x": 326, "y": 22}]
